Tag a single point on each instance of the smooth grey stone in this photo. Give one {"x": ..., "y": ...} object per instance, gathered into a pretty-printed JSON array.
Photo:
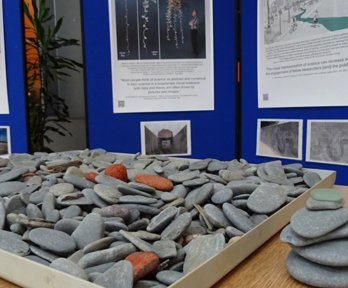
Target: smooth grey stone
[
  {"x": 242, "y": 187},
  {"x": 94, "y": 198},
  {"x": 67, "y": 225},
  {"x": 168, "y": 197},
  {"x": 313, "y": 204},
  {"x": 137, "y": 242},
  {"x": 216, "y": 216},
  {"x": 49, "y": 182},
  {"x": 222, "y": 196},
  {"x": 311, "y": 178},
  {"x": 311, "y": 224},
  {"x": 13, "y": 243},
  {"x": 196, "y": 228},
  {"x": 43, "y": 254},
  {"x": 332, "y": 253},
  {"x": 61, "y": 189},
  {"x": 140, "y": 224},
  {"x": 89, "y": 230},
  {"x": 55, "y": 241},
  {"x": 118, "y": 276},
  {"x": 117, "y": 235},
  {"x": 177, "y": 227},
  {"x": 241, "y": 196},
  {"x": 147, "y": 236},
  {"x": 214, "y": 178},
  {"x": 13, "y": 174},
  {"x": 100, "y": 244},
  {"x": 240, "y": 203},
  {"x": 194, "y": 213},
  {"x": 76, "y": 198},
  {"x": 2, "y": 215},
  {"x": 143, "y": 208},
  {"x": 107, "y": 255},
  {"x": 107, "y": 193},
  {"x": 199, "y": 196},
  {"x": 69, "y": 267},
  {"x": 296, "y": 191},
  {"x": 267, "y": 198},
  {"x": 37, "y": 259},
  {"x": 166, "y": 249},
  {"x": 15, "y": 205},
  {"x": 136, "y": 199},
  {"x": 117, "y": 243},
  {"x": 215, "y": 166},
  {"x": 18, "y": 228},
  {"x": 71, "y": 212},
  {"x": 258, "y": 218},
  {"x": 29, "y": 189},
  {"x": 158, "y": 169},
  {"x": 295, "y": 180},
  {"x": 201, "y": 249},
  {"x": 48, "y": 205},
  {"x": 315, "y": 274},
  {"x": 146, "y": 284},
  {"x": 182, "y": 176},
  {"x": 179, "y": 191},
  {"x": 237, "y": 218},
  {"x": 34, "y": 180},
  {"x": 127, "y": 190},
  {"x": 109, "y": 181},
  {"x": 233, "y": 232},
  {"x": 297, "y": 166},
  {"x": 134, "y": 215},
  {"x": 71, "y": 171},
  {"x": 76, "y": 256},
  {"x": 273, "y": 172},
  {"x": 168, "y": 277},
  {"x": 159, "y": 203},
  {"x": 180, "y": 257},
  {"x": 195, "y": 182},
  {"x": 200, "y": 165},
  {"x": 78, "y": 182},
  {"x": 217, "y": 187},
  {"x": 142, "y": 187},
  {"x": 232, "y": 175},
  {"x": 288, "y": 235},
  {"x": 291, "y": 175},
  {"x": 179, "y": 267},
  {"x": 8, "y": 188},
  {"x": 38, "y": 196},
  {"x": 99, "y": 268},
  {"x": 114, "y": 211},
  {"x": 114, "y": 225},
  {"x": 160, "y": 221},
  {"x": 106, "y": 158}
]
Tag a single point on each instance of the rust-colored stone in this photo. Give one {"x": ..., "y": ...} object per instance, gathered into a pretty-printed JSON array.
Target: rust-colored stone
[
  {"x": 157, "y": 182},
  {"x": 118, "y": 171},
  {"x": 91, "y": 176},
  {"x": 143, "y": 263}
]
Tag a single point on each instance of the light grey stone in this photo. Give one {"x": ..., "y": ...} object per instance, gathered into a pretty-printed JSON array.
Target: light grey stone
[
  {"x": 77, "y": 181},
  {"x": 99, "y": 244},
  {"x": 107, "y": 193},
  {"x": 177, "y": 227},
  {"x": 61, "y": 189},
  {"x": 69, "y": 267},
  {"x": 76, "y": 198},
  {"x": 200, "y": 164},
  {"x": 222, "y": 196},
  {"x": 233, "y": 232},
  {"x": 216, "y": 216},
  {"x": 139, "y": 243},
  {"x": 242, "y": 187},
  {"x": 43, "y": 254},
  {"x": 13, "y": 174},
  {"x": 8, "y": 188},
  {"x": 118, "y": 276},
  {"x": 229, "y": 175},
  {"x": 258, "y": 218},
  {"x": 71, "y": 212},
  {"x": 67, "y": 225},
  {"x": 147, "y": 236},
  {"x": 136, "y": 199},
  {"x": 195, "y": 182},
  {"x": 38, "y": 196},
  {"x": 199, "y": 195},
  {"x": 313, "y": 204},
  {"x": 182, "y": 176},
  {"x": 311, "y": 178},
  {"x": 166, "y": 249},
  {"x": 15, "y": 205},
  {"x": 142, "y": 187},
  {"x": 160, "y": 221},
  {"x": 237, "y": 217},
  {"x": 99, "y": 268},
  {"x": 179, "y": 191},
  {"x": 168, "y": 277},
  {"x": 13, "y": 243},
  {"x": 168, "y": 196}
]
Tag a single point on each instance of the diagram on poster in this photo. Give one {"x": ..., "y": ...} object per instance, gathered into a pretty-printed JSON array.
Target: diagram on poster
[
  {"x": 162, "y": 55},
  {"x": 3, "y": 80},
  {"x": 302, "y": 53}
]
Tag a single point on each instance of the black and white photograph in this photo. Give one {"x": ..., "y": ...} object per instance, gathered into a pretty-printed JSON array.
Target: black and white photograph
[
  {"x": 171, "y": 138},
  {"x": 5, "y": 142},
  {"x": 279, "y": 138},
  {"x": 327, "y": 141}
]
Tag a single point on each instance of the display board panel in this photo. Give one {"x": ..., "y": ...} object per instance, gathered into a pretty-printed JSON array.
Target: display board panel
[
  {"x": 212, "y": 132},
  {"x": 251, "y": 112},
  {"x": 3, "y": 79}
]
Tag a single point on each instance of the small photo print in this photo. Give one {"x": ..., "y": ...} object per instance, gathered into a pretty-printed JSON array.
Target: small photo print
[
  {"x": 279, "y": 138},
  {"x": 5, "y": 143},
  {"x": 327, "y": 141},
  {"x": 171, "y": 138}
]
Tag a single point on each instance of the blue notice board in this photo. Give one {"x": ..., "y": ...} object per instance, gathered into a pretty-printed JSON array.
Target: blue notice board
[
  {"x": 250, "y": 111},
  {"x": 13, "y": 33},
  {"x": 213, "y": 132}
]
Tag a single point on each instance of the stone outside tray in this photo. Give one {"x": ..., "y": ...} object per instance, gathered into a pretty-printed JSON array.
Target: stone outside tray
[{"x": 26, "y": 273}]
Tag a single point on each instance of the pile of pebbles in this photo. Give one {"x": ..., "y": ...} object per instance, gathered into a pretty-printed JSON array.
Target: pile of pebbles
[
  {"x": 135, "y": 220},
  {"x": 318, "y": 236}
]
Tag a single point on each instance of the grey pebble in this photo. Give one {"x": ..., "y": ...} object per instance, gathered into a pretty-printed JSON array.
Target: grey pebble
[
  {"x": 242, "y": 187},
  {"x": 258, "y": 218},
  {"x": 174, "y": 230},
  {"x": 13, "y": 174},
  {"x": 222, "y": 196},
  {"x": 114, "y": 225},
  {"x": 142, "y": 187},
  {"x": 311, "y": 178},
  {"x": 61, "y": 189},
  {"x": 166, "y": 249},
  {"x": 168, "y": 196},
  {"x": 313, "y": 204},
  {"x": 237, "y": 217},
  {"x": 199, "y": 165},
  {"x": 15, "y": 205},
  {"x": 195, "y": 182},
  {"x": 37, "y": 259},
  {"x": 38, "y": 196},
  {"x": 114, "y": 211},
  {"x": 146, "y": 284},
  {"x": 2, "y": 215},
  {"x": 78, "y": 182},
  {"x": 182, "y": 176},
  {"x": 136, "y": 199},
  {"x": 216, "y": 216},
  {"x": 98, "y": 244},
  {"x": 229, "y": 175},
  {"x": 13, "y": 243},
  {"x": 179, "y": 191},
  {"x": 107, "y": 193},
  {"x": 144, "y": 235},
  {"x": 43, "y": 254},
  {"x": 71, "y": 212},
  {"x": 99, "y": 268},
  {"x": 18, "y": 228},
  {"x": 137, "y": 242},
  {"x": 199, "y": 195},
  {"x": 233, "y": 232},
  {"x": 8, "y": 188},
  {"x": 67, "y": 225},
  {"x": 140, "y": 224},
  {"x": 94, "y": 198},
  {"x": 160, "y": 221},
  {"x": 168, "y": 277},
  {"x": 69, "y": 267}
]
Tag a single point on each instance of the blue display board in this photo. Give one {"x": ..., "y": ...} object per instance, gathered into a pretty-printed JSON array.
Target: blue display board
[
  {"x": 250, "y": 111},
  {"x": 13, "y": 32},
  {"x": 213, "y": 132}
]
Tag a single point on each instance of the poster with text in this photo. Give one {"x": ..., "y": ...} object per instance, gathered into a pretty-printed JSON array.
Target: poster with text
[
  {"x": 3, "y": 80},
  {"x": 302, "y": 53},
  {"x": 162, "y": 55}
]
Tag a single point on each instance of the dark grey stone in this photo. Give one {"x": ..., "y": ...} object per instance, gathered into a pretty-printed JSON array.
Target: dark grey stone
[
  {"x": 311, "y": 178},
  {"x": 15, "y": 205},
  {"x": 67, "y": 225},
  {"x": 222, "y": 196},
  {"x": 99, "y": 268},
  {"x": 146, "y": 284},
  {"x": 199, "y": 195},
  {"x": 177, "y": 227},
  {"x": 216, "y": 216},
  {"x": 237, "y": 217},
  {"x": 147, "y": 236},
  {"x": 168, "y": 277},
  {"x": 233, "y": 232},
  {"x": 146, "y": 209},
  {"x": 127, "y": 190},
  {"x": 43, "y": 254},
  {"x": 137, "y": 242},
  {"x": 118, "y": 276},
  {"x": 114, "y": 225},
  {"x": 242, "y": 187},
  {"x": 99, "y": 244},
  {"x": 140, "y": 224},
  {"x": 196, "y": 228},
  {"x": 200, "y": 165}
]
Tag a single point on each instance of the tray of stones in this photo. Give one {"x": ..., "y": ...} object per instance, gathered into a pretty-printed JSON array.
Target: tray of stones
[{"x": 98, "y": 219}]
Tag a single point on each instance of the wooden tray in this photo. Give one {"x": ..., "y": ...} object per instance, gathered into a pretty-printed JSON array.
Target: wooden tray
[{"x": 26, "y": 273}]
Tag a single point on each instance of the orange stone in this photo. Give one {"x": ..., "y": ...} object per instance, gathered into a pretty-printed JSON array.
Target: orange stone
[
  {"x": 157, "y": 182},
  {"x": 118, "y": 171},
  {"x": 143, "y": 263},
  {"x": 91, "y": 176}
]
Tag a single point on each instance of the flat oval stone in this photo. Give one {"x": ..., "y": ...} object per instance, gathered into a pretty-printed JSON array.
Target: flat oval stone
[
  {"x": 140, "y": 224},
  {"x": 48, "y": 256},
  {"x": 61, "y": 189},
  {"x": 327, "y": 195},
  {"x": 13, "y": 243},
  {"x": 67, "y": 225},
  {"x": 315, "y": 274},
  {"x": 242, "y": 187},
  {"x": 78, "y": 182},
  {"x": 311, "y": 224},
  {"x": 89, "y": 230},
  {"x": 137, "y": 199},
  {"x": 216, "y": 216},
  {"x": 195, "y": 182},
  {"x": 200, "y": 165},
  {"x": 222, "y": 196},
  {"x": 215, "y": 166},
  {"x": 114, "y": 211},
  {"x": 237, "y": 217},
  {"x": 71, "y": 211},
  {"x": 199, "y": 195},
  {"x": 175, "y": 229},
  {"x": 142, "y": 187},
  {"x": 168, "y": 277},
  {"x": 13, "y": 174},
  {"x": 229, "y": 175},
  {"x": 98, "y": 244},
  {"x": 8, "y": 188},
  {"x": 165, "y": 249},
  {"x": 179, "y": 191},
  {"x": 311, "y": 178},
  {"x": 214, "y": 178},
  {"x": 313, "y": 204},
  {"x": 118, "y": 276},
  {"x": 168, "y": 196},
  {"x": 99, "y": 268},
  {"x": 233, "y": 232},
  {"x": 69, "y": 267},
  {"x": 107, "y": 193},
  {"x": 15, "y": 205},
  {"x": 38, "y": 196},
  {"x": 267, "y": 198},
  {"x": 160, "y": 221},
  {"x": 182, "y": 176},
  {"x": 52, "y": 240}
]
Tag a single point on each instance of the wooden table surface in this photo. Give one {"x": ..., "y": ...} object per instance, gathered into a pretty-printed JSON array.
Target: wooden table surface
[{"x": 265, "y": 268}]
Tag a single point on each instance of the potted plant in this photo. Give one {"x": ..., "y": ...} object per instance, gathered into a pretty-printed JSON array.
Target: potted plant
[{"x": 47, "y": 111}]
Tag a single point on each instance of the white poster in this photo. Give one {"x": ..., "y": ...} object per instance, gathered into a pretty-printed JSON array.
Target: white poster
[
  {"x": 162, "y": 55},
  {"x": 302, "y": 53},
  {"x": 3, "y": 80}
]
